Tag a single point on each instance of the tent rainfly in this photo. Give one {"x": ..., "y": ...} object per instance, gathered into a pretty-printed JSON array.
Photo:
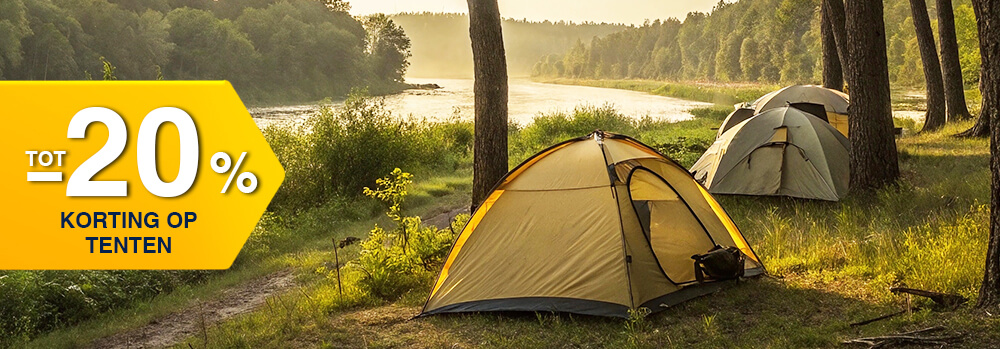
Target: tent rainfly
[
  {"x": 736, "y": 117},
  {"x": 834, "y": 101},
  {"x": 782, "y": 151},
  {"x": 596, "y": 225}
]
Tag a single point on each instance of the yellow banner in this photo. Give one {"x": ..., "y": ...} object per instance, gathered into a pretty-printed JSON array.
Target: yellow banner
[{"x": 129, "y": 175}]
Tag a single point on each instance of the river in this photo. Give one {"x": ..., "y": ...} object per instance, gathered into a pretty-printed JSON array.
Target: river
[{"x": 527, "y": 99}]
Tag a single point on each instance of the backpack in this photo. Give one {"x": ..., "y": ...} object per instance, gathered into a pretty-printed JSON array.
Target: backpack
[{"x": 719, "y": 263}]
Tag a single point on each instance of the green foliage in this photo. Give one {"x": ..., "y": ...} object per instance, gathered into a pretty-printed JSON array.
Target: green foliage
[
  {"x": 968, "y": 44},
  {"x": 109, "y": 70},
  {"x": 13, "y": 28},
  {"x": 548, "y": 129},
  {"x": 391, "y": 191},
  {"x": 35, "y": 301},
  {"x": 340, "y": 151},
  {"x": 388, "y": 45},
  {"x": 271, "y": 50},
  {"x": 771, "y": 41},
  {"x": 684, "y": 142},
  {"x": 394, "y": 261}
]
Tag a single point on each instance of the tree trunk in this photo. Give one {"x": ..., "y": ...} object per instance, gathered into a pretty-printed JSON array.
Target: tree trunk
[
  {"x": 490, "y": 89},
  {"x": 982, "y": 126},
  {"x": 951, "y": 70},
  {"x": 838, "y": 21},
  {"x": 988, "y": 22},
  {"x": 873, "y": 147},
  {"x": 833, "y": 75},
  {"x": 935, "y": 116}
]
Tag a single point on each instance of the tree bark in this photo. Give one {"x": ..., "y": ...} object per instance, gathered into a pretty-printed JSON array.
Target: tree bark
[
  {"x": 490, "y": 89},
  {"x": 873, "y": 147},
  {"x": 838, "y": 22},
  {"x": 951, "y": 70},
  {"x": 988, "y": 22},
  {"x": 833, "y": 75},
  {"x": 935, "y": 116},
  {"x": 983, "y": 124}
]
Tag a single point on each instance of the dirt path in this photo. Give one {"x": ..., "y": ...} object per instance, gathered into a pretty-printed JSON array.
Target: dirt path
[
  {"x": 443, "y": 220},
  {"x": 182, "y": 324}
]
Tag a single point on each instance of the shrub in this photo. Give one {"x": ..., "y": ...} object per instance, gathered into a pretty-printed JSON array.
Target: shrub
[
  {"x": 32, "y": 302},
  {"x": 339, "y": 151},
  {"x": 548, "y": 129},
  {"x": 394, "y": 261}
]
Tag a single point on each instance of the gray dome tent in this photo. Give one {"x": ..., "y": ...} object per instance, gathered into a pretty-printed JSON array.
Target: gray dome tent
[
  {"x": 835, "y": 102},
  {"x": 734, "y": 118},
  {"x": 782, "y": 152}
]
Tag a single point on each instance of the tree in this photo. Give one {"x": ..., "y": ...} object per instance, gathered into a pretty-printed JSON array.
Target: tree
[
  {"x": 388, "y": 46},
  {"x": 833, "y": 75},
  {"x": 951, "y": 69},
  {"x": 13, "y": 28},
  {"x": 490, "y": 89},
  {"x": 873, "y": 148},
  {"x": 983, "y": 125},
  {"x": 835, "y": 10},
  {"x": 935, "y": 116},
  {"x": 988, "y": 14}
]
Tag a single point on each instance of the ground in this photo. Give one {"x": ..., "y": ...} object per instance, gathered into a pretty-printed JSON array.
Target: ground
[{"x": 830, "y": 265}]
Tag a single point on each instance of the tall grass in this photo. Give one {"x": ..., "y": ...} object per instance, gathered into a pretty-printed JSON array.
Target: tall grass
[
  {"x": 684, "y": 141},
  {"x": 717, "y": 93},
  {"x": 339, "y": 152}
]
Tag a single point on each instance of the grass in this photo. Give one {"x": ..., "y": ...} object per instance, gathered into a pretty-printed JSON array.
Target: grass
[
  {"x": 727, "y": 94},
  {"x": 304, "y": 246},
  {"x": 830, "y": 265},
  {"x": 710, "y": 92}
]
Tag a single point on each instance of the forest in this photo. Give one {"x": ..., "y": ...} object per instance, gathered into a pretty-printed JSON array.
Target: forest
[
  {"x": 270, "y": 50},
  {"x": 441, "y": 46},
  {"x": 769, "y": 41}
]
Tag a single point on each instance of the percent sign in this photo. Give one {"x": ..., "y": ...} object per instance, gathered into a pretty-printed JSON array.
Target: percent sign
[{"x": 245, "y": 176}]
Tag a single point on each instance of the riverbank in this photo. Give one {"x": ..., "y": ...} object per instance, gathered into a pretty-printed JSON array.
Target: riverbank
[
  {"x": 715, "y": 93},
  {"x": 906, "y": 101}
]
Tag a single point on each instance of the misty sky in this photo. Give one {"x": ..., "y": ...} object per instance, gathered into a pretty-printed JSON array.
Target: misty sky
[{"x": 620, "y": 11}]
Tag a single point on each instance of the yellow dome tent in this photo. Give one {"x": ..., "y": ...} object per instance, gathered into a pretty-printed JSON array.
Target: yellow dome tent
[{"x": 595, "y": 225}]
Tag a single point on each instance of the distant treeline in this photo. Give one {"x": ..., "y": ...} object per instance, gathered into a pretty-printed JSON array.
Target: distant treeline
[
  {"x": 748, "y": 40},
  {"x": 441, "y": 46},
  {"x": 271, "y": 50}
]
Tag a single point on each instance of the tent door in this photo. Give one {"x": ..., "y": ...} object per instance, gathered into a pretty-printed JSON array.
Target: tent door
[{"x": 671, "y": 228}]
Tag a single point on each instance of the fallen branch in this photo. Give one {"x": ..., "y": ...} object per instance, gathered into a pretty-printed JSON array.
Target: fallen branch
[
  {"x": 946, "y": 300},
  {"x": 883, "y": 317},
  {"x": 911, "y": 338}
]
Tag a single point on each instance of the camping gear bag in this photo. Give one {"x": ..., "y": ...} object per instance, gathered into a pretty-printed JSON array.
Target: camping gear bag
[{"x": 719, "y": 263}]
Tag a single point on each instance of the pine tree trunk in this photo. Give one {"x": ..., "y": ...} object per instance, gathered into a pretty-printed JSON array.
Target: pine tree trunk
[
  {"x": 490, "y": 89},
  {"x": 951, "y": 70},
  {"x": 983, "y": 124},
  {"x": 935, "y": 116},
  {"x": 833, "y": 75},
  {"x": 988, "y": 22},
  {"x": 838, "y": 21},
  {"x": 873, "y": 147}
]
